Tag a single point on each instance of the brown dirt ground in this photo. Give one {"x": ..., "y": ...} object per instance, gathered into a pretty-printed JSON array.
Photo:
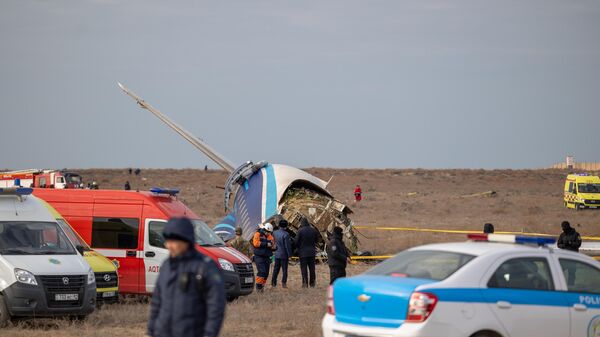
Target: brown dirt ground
[{"x": 526, "y": 200}]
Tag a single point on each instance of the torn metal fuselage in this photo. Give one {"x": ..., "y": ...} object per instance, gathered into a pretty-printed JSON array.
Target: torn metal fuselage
[{"x": 266, "y": 192}]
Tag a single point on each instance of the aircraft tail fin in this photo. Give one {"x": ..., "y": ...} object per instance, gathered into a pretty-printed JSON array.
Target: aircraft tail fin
[{"x": 196, "y": 142}]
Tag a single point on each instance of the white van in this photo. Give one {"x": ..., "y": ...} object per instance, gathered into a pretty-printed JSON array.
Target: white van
[{"x": 41, "y": 273}]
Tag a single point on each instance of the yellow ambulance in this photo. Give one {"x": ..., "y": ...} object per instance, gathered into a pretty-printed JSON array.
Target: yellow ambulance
[
  {"x": 582, "y": 191},
  {"x": 107, "y": 278}
]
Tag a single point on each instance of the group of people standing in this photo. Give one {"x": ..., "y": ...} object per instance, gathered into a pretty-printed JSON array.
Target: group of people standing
[{"x": 277, "y": 246}]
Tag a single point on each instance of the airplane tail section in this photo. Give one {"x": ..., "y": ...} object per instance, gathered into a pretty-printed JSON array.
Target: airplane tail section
[{"x": 197, "y": 143}]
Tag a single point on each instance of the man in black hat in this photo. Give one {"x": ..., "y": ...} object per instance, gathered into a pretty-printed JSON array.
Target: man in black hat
[
  {"x": 337, "y": 255},
  {"x": 569, "y": 239},
  {"x": 488, "y": 228},
  {"x": 283, "y": 253},
  {"x": 189, "y": 298}
]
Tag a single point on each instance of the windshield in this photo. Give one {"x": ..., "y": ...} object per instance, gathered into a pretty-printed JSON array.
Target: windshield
[
  {"x": 33, "y": 238},
  {"x": 205, "y": 236},
  {"x": 73, "y": 178},
  {"x": 426, "y": 264},
  {"x": 588, "y": 188},
  {"x": 74, "y": 237}
]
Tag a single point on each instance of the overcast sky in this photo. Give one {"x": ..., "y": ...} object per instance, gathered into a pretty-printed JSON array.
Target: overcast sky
[{"x": 433, "y": 84}]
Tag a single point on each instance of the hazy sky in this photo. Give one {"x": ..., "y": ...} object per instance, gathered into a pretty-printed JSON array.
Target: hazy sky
[{"x": 434, "y": 84}]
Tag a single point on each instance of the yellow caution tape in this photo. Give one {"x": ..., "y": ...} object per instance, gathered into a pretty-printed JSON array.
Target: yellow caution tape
[
  {"x": 456, "y": 231},
  {"x": 376, "y": 257}
]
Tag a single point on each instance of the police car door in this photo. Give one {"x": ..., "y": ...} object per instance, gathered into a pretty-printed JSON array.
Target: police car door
[
  {"x": 582, "y": 282},
  {"x": 155, "y": 252},
  {"x": 521, "y": 293}
]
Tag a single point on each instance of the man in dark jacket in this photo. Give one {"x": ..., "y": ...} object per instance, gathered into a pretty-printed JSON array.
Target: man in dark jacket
[
  {"x": 282, "y": 254},
  {"x": 337, "y": 255},
  {"x": 189, "y": 298},
  {"x": 569, "y": 239},
  {"x": 306, "y": 241},
  {"x": 488, "y": 228}
]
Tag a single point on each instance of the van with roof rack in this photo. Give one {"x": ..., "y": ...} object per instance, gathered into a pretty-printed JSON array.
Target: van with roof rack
[{"x": 42, "y": 274}]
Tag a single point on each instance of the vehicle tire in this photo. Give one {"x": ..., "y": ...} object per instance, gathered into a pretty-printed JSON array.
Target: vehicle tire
[
  {"x": 4, "y": 315},
  {"x": 486, "y": 334}
]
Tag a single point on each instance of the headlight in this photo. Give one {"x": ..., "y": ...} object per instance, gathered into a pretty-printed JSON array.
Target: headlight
[
  {"x": 226, "y": 265},
  {"x": 91, "y": 277},
  {"x": 24, "y": 276}
]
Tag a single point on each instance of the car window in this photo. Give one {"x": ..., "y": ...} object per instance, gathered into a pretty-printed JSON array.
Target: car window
[
  {"x": 531, "y": 273},
  {"x": 155, "y": 234},
  {"x": 581, "y": 277},
  {"x": 427, "y": 264},
  {"x": 115, "y": 233}
]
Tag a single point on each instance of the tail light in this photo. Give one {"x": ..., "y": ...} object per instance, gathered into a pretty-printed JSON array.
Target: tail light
[
  {"x": 330, "y": 307},
  {"x": 420, "y": 307}
]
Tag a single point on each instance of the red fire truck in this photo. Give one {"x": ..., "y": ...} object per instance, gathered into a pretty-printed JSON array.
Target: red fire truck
[
  {"x": 127, "y": 226},
  {"x": 40, "y": 178}
]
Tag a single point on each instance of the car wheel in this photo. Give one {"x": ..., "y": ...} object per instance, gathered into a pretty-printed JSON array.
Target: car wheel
[
  {"x": 4, "y": 315},
  {"x": 484, "y": 334}
]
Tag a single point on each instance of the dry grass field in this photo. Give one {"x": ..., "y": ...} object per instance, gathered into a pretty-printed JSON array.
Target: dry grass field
[{"x": 525, "y": 200}]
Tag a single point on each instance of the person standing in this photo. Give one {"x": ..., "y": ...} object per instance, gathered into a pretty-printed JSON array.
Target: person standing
[
  {"x": 240, "y": 244},
  {"x": 488, "y": 228},
  {"x": 306, "y": 241},
  {"x": 569, "y": 239},
  {"x": 189, "y": 297},
  {"x": 357, "y": 194},
  {"x": 264, "y": 245},
  {"x": 127, "y": 186},
  {"x": 283, "y": 253},
  {"x": 337, "y": 255}
]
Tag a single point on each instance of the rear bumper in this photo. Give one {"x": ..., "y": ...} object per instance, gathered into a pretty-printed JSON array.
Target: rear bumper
[
  {"x": 333, "y": 328},
  {"x": 236, "y": 285},
  {"x": 26, "y": 300}
]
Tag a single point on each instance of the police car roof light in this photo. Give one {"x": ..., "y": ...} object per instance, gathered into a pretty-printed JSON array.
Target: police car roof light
[
  {"x": 169, "y": 191},
  {"x": 16, "y": 191},
  {"x": 520, "y": 239}
]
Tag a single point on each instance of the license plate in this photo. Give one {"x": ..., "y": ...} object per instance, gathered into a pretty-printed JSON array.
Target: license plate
[
  {"x": 248, "y": 280},
  {"x": 108, "y": 294},
  {"x": 66, "y": 297}
]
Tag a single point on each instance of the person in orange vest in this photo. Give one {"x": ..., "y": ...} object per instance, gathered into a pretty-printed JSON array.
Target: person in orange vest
[
  {"x": 264, "y": 245},
  {"x": 357, "y": 194}
]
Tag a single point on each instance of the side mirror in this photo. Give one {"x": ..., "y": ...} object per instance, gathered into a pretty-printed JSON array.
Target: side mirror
[{"x": 79, "y": 249}]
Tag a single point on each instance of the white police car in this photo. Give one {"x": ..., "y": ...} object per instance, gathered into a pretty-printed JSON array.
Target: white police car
[{"x": 476, "y": 288}]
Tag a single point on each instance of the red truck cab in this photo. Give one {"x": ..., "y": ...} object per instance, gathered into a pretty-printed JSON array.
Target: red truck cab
[{"x": 127, "y": 226}]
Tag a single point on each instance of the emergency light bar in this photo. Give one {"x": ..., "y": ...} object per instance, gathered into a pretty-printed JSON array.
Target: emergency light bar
[
  {"x": 520, "y": 239},
  {"x": 169, "y": 191},
  {"x": 16, "y": 191}
]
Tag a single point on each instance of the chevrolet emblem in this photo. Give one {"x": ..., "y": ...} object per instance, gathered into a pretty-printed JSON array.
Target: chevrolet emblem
[{"x": 364, "y": 298}]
